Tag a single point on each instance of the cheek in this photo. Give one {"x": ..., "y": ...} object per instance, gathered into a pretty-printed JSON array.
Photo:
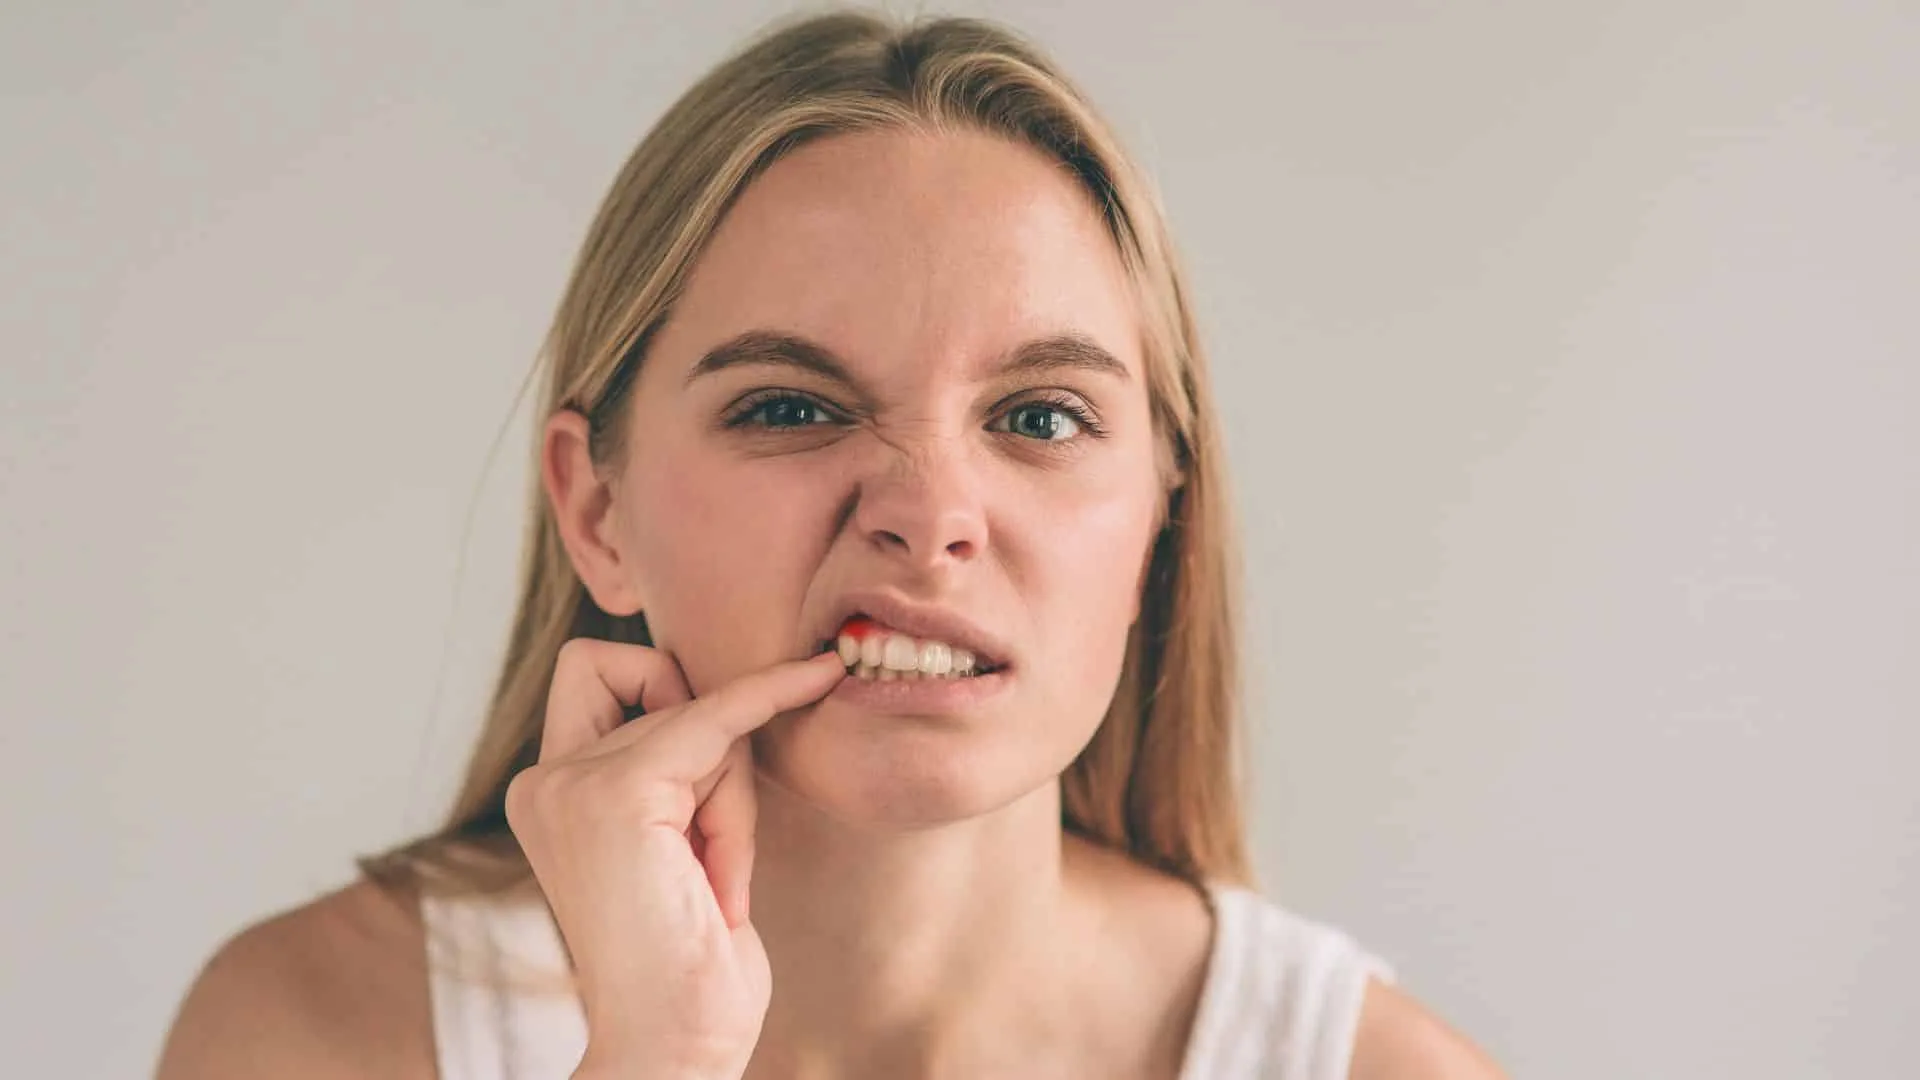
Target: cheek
[
  {"x": 721, "y": 558},
  {"x": 1083, "y": 574}
]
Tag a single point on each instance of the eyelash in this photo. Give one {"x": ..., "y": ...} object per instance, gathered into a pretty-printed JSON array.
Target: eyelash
[
  {"x": 1053, "y": 399},
  {"x": 754, "y": 405}
]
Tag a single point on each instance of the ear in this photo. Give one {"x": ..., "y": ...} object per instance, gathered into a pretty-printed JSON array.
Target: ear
[{"x": 583, "y": 508}]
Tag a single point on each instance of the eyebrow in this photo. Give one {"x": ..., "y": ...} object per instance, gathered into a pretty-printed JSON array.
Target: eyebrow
[{"x": 766, "y": 347}]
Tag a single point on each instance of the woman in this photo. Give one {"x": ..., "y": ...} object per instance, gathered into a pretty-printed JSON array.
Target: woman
[{"x": 868, "y": 707}]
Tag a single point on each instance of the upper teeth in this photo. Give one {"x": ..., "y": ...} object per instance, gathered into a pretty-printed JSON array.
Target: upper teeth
[{"x": 897, "y": 652}]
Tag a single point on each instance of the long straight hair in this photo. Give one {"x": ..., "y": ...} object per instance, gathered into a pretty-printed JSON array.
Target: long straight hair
[{"x": 1159, "y": 780}]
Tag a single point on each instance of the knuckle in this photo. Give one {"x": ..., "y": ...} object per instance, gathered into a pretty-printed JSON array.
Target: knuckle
[
  {"x": 575, "y": 652},
  {"x": 556, "y": 795},
  {"x": 730, "y": 699},
  {"x": 523, "y": 794}
]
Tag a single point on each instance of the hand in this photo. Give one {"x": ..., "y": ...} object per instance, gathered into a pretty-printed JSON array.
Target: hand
[{"x": 641, "y": 835}]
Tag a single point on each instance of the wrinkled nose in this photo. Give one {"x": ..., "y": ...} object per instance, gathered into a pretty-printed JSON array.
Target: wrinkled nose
[{"x": 922, "y": 507}]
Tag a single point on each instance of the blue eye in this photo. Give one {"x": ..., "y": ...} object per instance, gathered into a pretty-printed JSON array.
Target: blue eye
[
  {"x": 781, "y": 412},
  {"x": 1046, "y": 421}
]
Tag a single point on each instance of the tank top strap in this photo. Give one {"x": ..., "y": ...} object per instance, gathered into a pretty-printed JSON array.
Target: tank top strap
[
  {"x": 504, "y": 1007},
  {"x": 1282, "y": 996}
]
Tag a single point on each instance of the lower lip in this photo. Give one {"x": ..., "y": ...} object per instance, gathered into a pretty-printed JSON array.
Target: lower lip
[{"x": 922, "y": 696}]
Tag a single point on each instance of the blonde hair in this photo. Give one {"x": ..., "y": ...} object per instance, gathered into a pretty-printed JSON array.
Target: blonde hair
[{"x": 1159, "y": 778}]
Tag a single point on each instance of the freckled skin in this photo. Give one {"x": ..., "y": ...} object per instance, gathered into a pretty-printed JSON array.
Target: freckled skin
[{"x": 920, "y": 260}]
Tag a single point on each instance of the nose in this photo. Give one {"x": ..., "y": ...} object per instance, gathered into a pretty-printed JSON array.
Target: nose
[{"x": 922, "y": 505}]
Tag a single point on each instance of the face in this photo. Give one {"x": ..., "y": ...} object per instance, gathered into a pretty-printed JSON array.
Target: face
[{"x": 904, "y": 379}]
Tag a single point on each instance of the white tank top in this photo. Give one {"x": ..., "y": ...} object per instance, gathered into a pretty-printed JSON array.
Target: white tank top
[{"x": 1280, "y": 1000}]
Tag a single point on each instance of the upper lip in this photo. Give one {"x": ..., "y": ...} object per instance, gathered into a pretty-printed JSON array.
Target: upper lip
[{"x": 924, "y": 621}]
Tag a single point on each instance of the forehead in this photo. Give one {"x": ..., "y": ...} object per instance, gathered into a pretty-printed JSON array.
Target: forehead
[{"x": 948, "y": 248}]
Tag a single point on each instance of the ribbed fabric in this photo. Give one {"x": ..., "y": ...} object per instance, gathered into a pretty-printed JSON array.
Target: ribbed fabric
[
  {"x": 1282, "y": 995},
  {"x": 1281, "y": 999},
  {"x": 495, "y": 972}
]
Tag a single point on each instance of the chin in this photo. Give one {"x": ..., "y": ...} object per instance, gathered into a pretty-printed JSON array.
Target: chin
[{"x": 909, "y": 775}]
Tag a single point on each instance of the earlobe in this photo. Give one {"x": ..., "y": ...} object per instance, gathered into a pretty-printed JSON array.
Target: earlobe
[{"x": 583, "y": 510}]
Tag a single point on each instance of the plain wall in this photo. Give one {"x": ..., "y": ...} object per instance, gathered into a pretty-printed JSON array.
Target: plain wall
[{"x": 1571, "y": 364}]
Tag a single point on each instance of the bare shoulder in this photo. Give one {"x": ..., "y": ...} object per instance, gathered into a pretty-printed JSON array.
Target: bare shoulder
[
  {"x": 1400, "y": 1039},
  {"x": 334, "y": 988}
]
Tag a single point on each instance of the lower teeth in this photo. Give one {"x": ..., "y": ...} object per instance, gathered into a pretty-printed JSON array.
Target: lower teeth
[{"x": 887, "y": 674}]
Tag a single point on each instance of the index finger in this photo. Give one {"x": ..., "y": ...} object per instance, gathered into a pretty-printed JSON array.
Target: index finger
[{"x": 691, "y": 743}]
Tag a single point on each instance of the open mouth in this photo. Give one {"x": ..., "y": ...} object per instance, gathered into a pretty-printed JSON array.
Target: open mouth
[{"x": 876, "y": 652}]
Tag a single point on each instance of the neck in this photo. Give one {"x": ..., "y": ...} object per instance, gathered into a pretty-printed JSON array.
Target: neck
[{"x": 893, "y": 951}]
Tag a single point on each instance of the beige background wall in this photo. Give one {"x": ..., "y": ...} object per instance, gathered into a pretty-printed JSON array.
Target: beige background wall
[{"x": 1570, "y": 356}]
